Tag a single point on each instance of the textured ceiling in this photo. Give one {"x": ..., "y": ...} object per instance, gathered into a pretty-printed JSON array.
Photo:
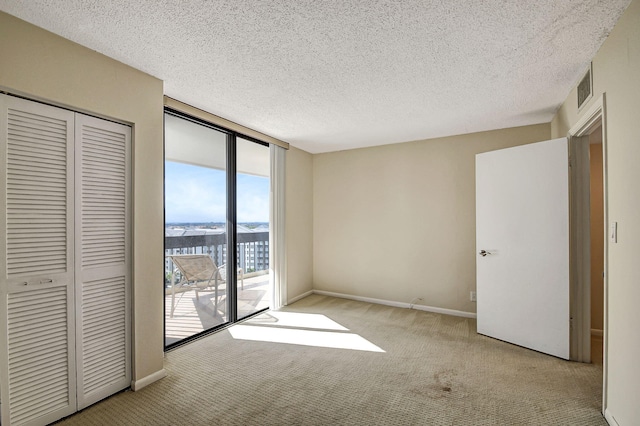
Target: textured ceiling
[{"x": 339, "y": 74}]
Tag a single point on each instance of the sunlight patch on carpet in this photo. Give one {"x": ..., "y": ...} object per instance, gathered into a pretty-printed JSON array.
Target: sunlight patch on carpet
[
  {"x": 296, "y": 319},
  {"x": 323, "y": 339}
]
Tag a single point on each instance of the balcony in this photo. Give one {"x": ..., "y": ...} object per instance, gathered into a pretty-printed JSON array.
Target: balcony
[{"x": 193, "y": 314}]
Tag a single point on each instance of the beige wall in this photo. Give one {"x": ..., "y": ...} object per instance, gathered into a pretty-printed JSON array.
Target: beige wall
[
  {"x": 44, "y": 66},
  {"x": 299, "y": 222},
  {"x": 397, "y": 222},
  {"x": 616, "y": 71}
]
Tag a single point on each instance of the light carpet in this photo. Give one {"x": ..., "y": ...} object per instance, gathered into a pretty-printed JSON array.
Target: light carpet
[{"x": 433, "y": 370}]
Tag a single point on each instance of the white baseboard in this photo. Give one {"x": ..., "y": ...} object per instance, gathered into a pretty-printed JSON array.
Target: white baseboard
[
  {"x": 596, "y": 332},
  {"x": 398, "y": 304},
  {"x": 609, "y": 418},
  {"x": 445, "y": 311},
  {"x": 136, "y": 385},
  {"x": 302, "y": 296}
]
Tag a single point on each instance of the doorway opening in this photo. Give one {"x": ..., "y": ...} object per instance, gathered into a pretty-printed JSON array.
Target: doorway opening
[
  {"x": 587, "y": 245},
  {"x": 590, "y": 242},
  {"x": 597, "y": 242}
]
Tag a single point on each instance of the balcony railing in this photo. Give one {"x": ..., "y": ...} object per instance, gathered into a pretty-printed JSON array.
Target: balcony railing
[{"x": 252, "y": 249}]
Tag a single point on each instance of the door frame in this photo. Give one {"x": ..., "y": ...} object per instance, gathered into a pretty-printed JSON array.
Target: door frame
[
  {"x": 184, "y": 112},
  {"x": 594, "y": 116}
]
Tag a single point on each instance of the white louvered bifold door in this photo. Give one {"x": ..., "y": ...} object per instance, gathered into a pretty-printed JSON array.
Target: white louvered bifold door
[
  {"x": 37, "y": 322},
  {"x": 102, "y": 258}
]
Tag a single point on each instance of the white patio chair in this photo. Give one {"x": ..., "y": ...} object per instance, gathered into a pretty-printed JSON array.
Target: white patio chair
[{"x": 197, "y": 272}]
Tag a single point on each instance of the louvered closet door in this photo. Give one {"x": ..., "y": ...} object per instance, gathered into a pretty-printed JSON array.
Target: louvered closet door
[
  {"x": 102, "y": 253},
  {"x": 37, "y": 357}
]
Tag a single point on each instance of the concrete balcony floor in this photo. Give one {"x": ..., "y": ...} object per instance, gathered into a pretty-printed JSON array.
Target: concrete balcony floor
[{"x": 192, "y": 316}]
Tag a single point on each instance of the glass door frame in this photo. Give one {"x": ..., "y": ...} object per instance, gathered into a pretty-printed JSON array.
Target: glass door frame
[{"x": 231, "y": 225}]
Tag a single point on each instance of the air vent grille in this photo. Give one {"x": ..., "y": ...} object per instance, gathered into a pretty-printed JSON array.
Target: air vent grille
[{"x": 585, "y": 89}]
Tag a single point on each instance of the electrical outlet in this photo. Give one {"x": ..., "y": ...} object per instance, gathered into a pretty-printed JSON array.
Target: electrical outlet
[{"x": 472, "y": 296}]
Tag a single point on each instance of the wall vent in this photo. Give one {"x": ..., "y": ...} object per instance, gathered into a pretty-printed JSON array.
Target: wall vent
[{"x": 585, "y": 88}]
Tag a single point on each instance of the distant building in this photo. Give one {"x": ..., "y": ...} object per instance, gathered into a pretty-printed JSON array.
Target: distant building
[{"x": 252, "y": 249}]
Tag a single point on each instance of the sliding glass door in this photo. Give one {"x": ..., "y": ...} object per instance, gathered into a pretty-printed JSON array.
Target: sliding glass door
[
  {"x": 252, "y": 194},
  {"x": 216, "y": 196},
  {"x": 195, "y": 228}
]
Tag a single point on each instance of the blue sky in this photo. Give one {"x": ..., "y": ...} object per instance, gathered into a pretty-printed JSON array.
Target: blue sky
[{"x": 198, "y": 194}]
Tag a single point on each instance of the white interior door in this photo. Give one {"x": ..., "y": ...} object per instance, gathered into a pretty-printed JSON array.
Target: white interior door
[
  {"x": 522, "y": 221},
  {"x": 102, "y": 258},
  {"x": 64, "y": 278},
  {"x": 37, "y": 325}
]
